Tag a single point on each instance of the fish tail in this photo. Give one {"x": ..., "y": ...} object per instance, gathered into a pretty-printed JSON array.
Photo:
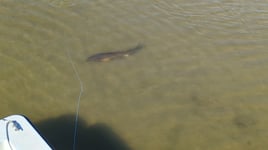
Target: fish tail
[{"x": 134, "y": 49}]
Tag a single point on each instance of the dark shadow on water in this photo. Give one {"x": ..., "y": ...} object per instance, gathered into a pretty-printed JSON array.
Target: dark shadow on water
[{"x": 59, "y": 133}]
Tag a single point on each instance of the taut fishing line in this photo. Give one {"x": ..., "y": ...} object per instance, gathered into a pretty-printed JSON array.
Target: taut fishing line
[{"x": 78, "y": 99}]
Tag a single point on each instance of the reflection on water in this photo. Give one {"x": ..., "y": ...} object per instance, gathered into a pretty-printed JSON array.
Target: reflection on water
[
  {"x": 200, "y": 82},
  {"x": 61, "y": 3}
]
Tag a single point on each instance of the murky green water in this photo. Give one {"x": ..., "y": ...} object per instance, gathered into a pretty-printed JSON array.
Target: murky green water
[{"x": 201, "y": 82}]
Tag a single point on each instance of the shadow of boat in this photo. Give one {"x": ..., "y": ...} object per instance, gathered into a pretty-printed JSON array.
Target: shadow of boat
[{"x": 59, "y": 133}]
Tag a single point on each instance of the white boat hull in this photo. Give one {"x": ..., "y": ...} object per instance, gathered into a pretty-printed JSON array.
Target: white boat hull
[{"x": 17, "y": 133}]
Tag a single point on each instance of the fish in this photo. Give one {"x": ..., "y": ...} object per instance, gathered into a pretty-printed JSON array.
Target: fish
[{"x": 108, "y": 56}]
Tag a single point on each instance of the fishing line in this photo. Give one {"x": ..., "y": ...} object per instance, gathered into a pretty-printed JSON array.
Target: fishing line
[{"x": 78, "y": 99}]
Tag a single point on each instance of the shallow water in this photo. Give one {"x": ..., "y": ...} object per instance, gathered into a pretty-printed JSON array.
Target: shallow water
[{"x": 199, "y": 83}]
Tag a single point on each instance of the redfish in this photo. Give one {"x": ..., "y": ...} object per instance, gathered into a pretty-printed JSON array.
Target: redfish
[{"x": 108, "y": 56}]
